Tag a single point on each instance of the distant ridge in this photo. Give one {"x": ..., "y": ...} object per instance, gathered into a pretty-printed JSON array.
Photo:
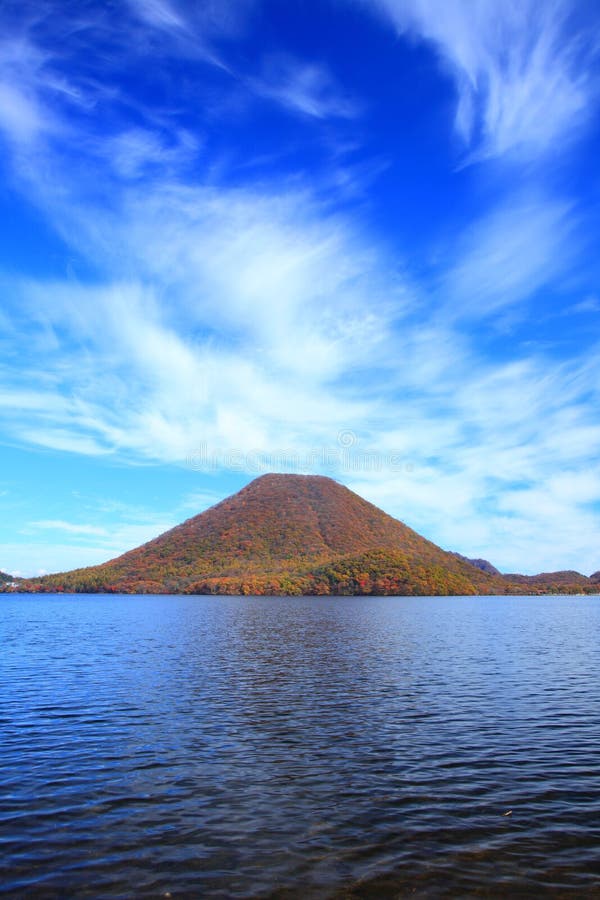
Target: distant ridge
[
  {"x": 482, "y": 564},
  {"x": 295, "y": 534},
  {"x": 5, "y": 577}
]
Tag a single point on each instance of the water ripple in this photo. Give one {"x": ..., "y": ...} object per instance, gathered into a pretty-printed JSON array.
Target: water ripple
[{"x": 283, "y": 748}]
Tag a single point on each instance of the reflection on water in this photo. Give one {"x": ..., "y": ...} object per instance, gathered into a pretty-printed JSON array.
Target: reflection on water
[{"x": 299, "y": 747}]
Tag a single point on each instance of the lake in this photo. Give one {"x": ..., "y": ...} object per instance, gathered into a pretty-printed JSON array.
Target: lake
[{"x": 299, "y": 747}]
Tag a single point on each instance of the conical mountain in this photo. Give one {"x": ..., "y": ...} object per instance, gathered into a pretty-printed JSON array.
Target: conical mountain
[{"x": 285, "y": 534}]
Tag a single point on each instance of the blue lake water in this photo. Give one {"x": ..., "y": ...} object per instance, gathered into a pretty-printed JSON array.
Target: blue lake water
[{"x": 299, "y": 747}]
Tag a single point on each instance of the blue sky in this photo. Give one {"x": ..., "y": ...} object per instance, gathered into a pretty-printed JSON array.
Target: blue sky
[{"x": 354, "y": 238}]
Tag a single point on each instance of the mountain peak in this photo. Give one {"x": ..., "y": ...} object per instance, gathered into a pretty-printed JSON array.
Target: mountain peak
[
  {"x": 283, "y": 533},
  {"x": 292, "y": 534}
]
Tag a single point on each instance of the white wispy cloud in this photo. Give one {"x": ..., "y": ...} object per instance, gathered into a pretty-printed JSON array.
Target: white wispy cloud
[
  {"x": 502, "y": 259},
  {"x": 521, "y": 70},
  {"x": 589, "y": 304},
  {"x": 140, "y": 152},
  {"x": 204, "y": 20},
  {"x": 87, "y": 543},
  {"x": 194, "y": 31},
  {"x": 28, "y": 559},
  {"x": 511, "y": 471},
  {"x": 306, "y": 88},
  {"x": 159, "y": 13},
  {"x": 20, "y": 116},
  {"x": 235, "y": 357},
  {"x": 31, "y": 557},
  {"x": 78, "y": 528},
  {"x": 26, "y": 111}
]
